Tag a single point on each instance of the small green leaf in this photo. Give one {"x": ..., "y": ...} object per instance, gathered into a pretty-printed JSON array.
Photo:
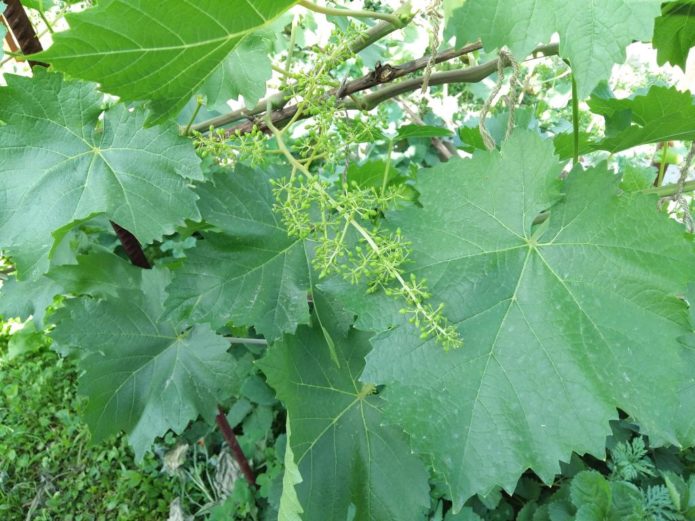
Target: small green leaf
[
  {"x": 421, "y": 131},
  {"x": 24, "y": 298},
  {"x": 26, "y": 340},
  {"x": 663, "y": 114},
  {"x": 243, "y": 73},
  {"x": 674, "y": 32},
  {"x": 589, "y": 488},
  {"x": 290, "y": 509}
]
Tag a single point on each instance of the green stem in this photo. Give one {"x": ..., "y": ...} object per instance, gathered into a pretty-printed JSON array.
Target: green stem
[
  {"x": 45, "y": 20},
  {"x": 667, "y": 190},
  {"x": 662, "y": 163},
  {"x": 290, "y": 49},
  {"x": 195, "y": 114},
  {"x": 249, "y": 341},
  {"x": 355, "y": 13},
  {"x": 575, "y": 122},
  {"x": 387, "y": 168}
]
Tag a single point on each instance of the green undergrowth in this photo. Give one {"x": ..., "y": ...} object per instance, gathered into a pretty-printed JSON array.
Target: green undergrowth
[
  {"x": 633, "y": 483},
  {"x": 48, "y": 469}
]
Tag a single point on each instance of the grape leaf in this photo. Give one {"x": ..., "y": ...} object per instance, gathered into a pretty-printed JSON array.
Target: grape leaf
[
  {"x": 253, "y": 274},
  {"x": 290, "y": 508},
  {"x": 157, "y": 51},
  {"x": 662, "y": 114},
  {"x": 593, "y": 35},
  {"x": 61, "y": 164},
  {"x": 99, "y": 274},
  {"x": 243, "y": 73},
  {"x": 421, "y": 131},
  {"x": 24, "y": 298},
  {"x": 674, "y": 32},
  {"x": 560, "y": 320},
  {"x": 374, "y": 311},
  {"x": 342, "y": 450},
  {"x": 140, "y": 374}
]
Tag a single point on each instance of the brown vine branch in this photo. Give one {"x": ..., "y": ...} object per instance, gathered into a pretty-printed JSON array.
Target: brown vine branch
[
  {"x": 385, "y": 74},
  {"x": 21, "y": 29},
  {"x": 234, "y": 446},
  {"x": 279, "y": 100}
]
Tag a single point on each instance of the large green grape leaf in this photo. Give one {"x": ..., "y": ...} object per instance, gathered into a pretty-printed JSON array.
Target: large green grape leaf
[
  {"x": 158, "y": 51},
  {"x": 346, "y": 458},
  {"x": 142, "y": 374},
  {"x": 593, "y": 35},
  {"x": 563, "y": 322},
  {"x": 243, "y": 73},
  {"x": 674, "y": 32},
  {"x": 59, "y": 163},
  {"x": 253, "y": 273}
]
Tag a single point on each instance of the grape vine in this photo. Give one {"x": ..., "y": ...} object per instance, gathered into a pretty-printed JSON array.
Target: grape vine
[{"x": 365, "y": 207}]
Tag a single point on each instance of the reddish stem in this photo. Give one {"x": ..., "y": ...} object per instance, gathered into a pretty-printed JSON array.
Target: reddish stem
[
  {"x": 132, "y": 247},
  {"x": 237, "y": 453}
]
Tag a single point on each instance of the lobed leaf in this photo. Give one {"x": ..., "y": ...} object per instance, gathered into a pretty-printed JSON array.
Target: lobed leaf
[
  {"x": 346, "y": 458},
  {"x": 142, "y": 375},
  {"x": 60, "y": 163},
  {"x": 563, "y": 322},
  {"x": 157, "y": 51},
  {"x": 254, "y": 274},
  {"x": 593, "y": 35}
]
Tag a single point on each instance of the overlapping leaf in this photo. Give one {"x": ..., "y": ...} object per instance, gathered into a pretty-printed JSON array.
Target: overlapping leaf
[
  {"x": 60, "y": 164},
  {"x": 347, "y": 459},
  {"x": 593, "y": 35},
  {"x": 253, "y": 273},
  {"x": 157, "y": 51},
  {"x": 674, "y": 32},
  {"x": 563, "y": 322},
  {"x": 25, "y": 298},
  {"x": 243, "y": 73},
  {"x": 662, "y": 114},
  {"x": 141, "y": 374}
]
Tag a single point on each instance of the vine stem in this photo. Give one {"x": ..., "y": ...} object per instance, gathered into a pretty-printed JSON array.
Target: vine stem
[
  {"x": 199, "y": 103},
  {"x": 234, "y": 446},
  {"x": 355, "y": 13},
  {"x": 575, "y": 122},
  {"x": 672, "y": 189},
  {"x": 662, "y": 163},
  {"x": 250, "y": 341},
  {"x": 280, "y": 99}
]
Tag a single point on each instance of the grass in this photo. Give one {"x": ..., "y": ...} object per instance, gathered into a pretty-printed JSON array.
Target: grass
[{"x": 48, "y": 468}]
